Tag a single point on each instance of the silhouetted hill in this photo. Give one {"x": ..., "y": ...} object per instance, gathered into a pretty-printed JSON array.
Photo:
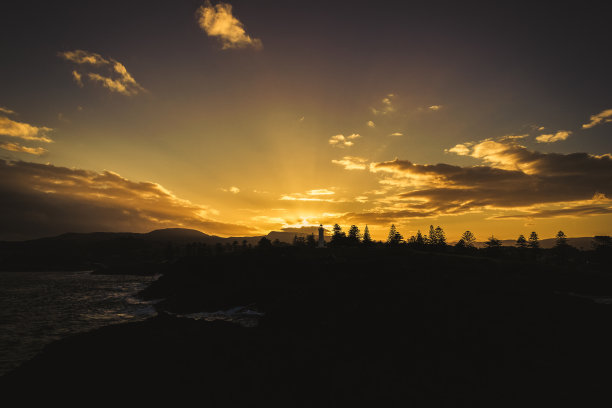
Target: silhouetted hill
[
  {"x": 179, "y": 235},
  {"x": 104, "y": 250}
]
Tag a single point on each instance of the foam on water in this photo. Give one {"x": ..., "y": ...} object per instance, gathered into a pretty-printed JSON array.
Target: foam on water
[{"x": 37, "y": 308}]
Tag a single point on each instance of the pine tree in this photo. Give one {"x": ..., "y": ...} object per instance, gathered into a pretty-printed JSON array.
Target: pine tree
[
  {"x": 354, "y": 235},
  {"x": 394, "y": 236},
  {"x": 431, "y": 238},
  {"x": 420, "y": 241},
  {"x": 468, "y": 238},
  {"x": 440, "y": 237},
  {"x": 534, "y": 242},
  {"x": 493, "y": 243},
  {"x": 521, "y": 242},
  {"x": 561, "y": 239},
  {"x": 338, "y": 237},
  {"x": 367, "y": 240}
]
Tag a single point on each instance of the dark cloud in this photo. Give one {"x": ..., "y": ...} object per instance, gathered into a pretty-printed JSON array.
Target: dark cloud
[
  {"x": 41, "y": 200},
  {"x": 515, "y": 177},
  {"x": 377, "y": 217},
  {"x": 578, "y": 211}
]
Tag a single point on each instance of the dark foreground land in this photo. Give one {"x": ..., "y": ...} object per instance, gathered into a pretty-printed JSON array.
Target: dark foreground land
[{"x": 356, "y": 326}]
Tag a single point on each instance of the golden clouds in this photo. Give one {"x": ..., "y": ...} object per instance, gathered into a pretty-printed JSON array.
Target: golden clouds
[
  {"x": 45, "y": 199},
  {"x": 602, "y": 117},
  {"x": 551, "y": 138},
  {"x": 321, "y": 194},
  {"x": 110, "y": 73},
  {"x": 6, "y": 111},
  {"x": 23, "y": 131},
  {"x": 343, "y": 141},
  {"x": 386, "y": 106},
  {"x": 84, "y": 57},
  {"x": 218, "y": 21},
  {"x": 460, "y": 149},
  {"x": 232, "y": 189},
  {"x": 352, "y": 163},
  {"x": 515, "y": 179},
  {"x": 16, "y": 147}
]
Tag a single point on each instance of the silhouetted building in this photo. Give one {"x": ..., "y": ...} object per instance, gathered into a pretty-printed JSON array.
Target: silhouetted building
[{"x": 321, "y": 237}]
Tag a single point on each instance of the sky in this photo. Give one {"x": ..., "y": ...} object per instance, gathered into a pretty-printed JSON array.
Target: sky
[{"x": 237, "y": 118}]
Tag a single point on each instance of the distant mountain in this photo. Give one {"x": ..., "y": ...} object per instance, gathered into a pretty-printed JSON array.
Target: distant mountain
[
  {"x": 174, "y": 235},
  {"x": 81, "y": 251},
  {"x": 178, "y": 235}
]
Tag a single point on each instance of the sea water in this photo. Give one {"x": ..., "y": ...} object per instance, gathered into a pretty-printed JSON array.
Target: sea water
[{"x": 37, "y": 308}]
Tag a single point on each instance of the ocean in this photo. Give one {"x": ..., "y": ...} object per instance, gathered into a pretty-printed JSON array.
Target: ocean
[{"x": 37, "y": 308}]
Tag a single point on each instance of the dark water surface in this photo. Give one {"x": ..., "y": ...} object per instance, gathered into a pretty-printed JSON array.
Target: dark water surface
[{"x": 37, "y": 308}]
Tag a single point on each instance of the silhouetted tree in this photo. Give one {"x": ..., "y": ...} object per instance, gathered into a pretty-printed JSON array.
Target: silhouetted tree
[
  {"x": 469, "y": 239},
  {"x": 440, "y": 237},
  {"x": 493, "y": 242},
  {"x": 299, "y": 241},
  {"x": 276, "y": 242},
  {"x": 561, "y": 240},
  {"x": 419, "y": 240},
  {"x": 264, "y": 243},
  {"x": 235, "y": 246},
  {"x": 493, "y": 246},
  {"x": 244, "y": 244},
  {"x": 311, "y": 241},
  {"x": 534, "y": 242},
  {"x": 367, "y": 240},
  {"x": 338, "y": 236},
  {"x": 521, "y": 242},
  {"x": 436, "y": 238},
  {"x": 354, "y": 235},
  {"x": 394, "y": 236},
  {"x": 431, "y": 238}
]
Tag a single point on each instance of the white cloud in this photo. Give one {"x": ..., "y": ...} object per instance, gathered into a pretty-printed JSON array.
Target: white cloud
[
  {"x": 371, "y": 124},
  {"x": 435, "y": 107},
  {"x": 551, "y": 138},
  {"x": 602, "y": 117},
  {"x": 352, "y": 163},
  {"x": 396, "y": 134},
  {"x": 218, "y": 21}
]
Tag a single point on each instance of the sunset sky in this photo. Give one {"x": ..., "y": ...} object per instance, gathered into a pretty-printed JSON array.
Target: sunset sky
[{"x": 238, "y": 118}]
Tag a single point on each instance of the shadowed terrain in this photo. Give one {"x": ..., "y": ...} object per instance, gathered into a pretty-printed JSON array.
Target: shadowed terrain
[{"x": 347, "y": 325}]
